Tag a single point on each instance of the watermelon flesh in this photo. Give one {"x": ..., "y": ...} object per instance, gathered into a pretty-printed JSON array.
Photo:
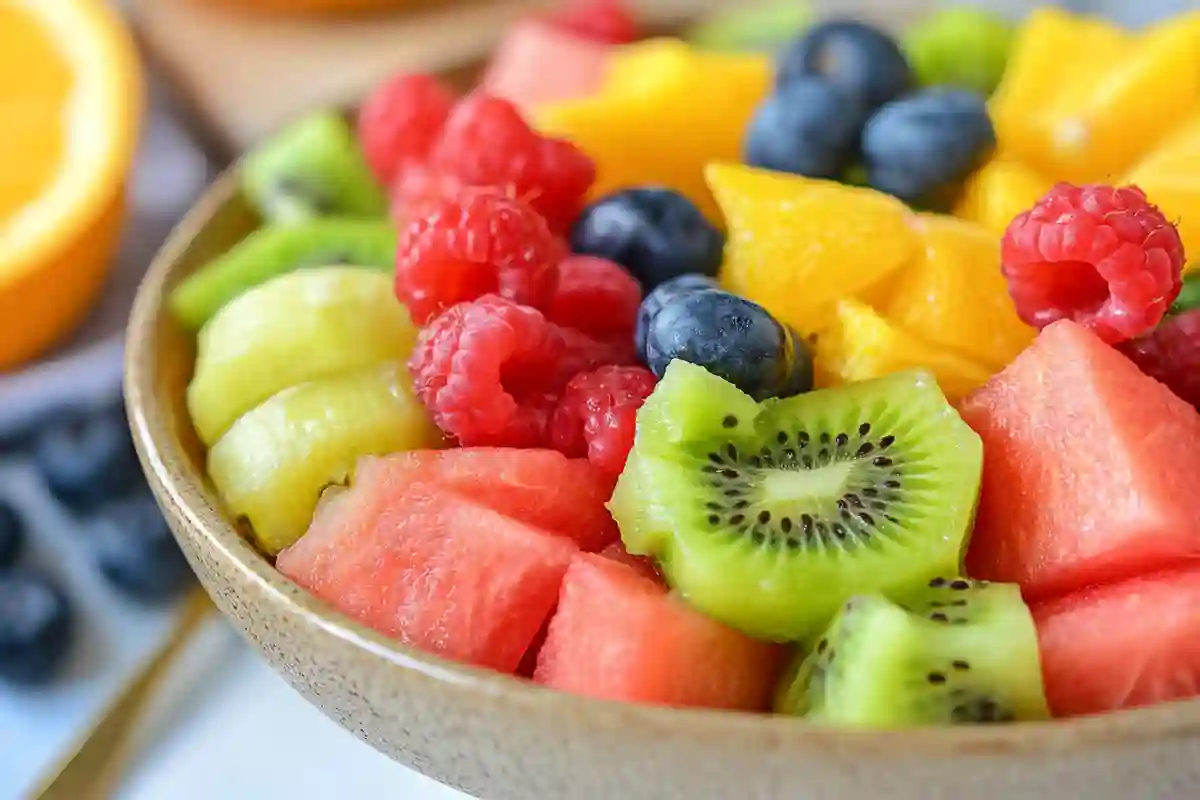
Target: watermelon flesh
[
  {"x": 542, "y": 488},
  {"x": 538, "y": 63},
  {"x": 431, "y": 568},
  {"x": 1089, "y": 469},
  {"x": 1128, "y": 644},
  {"x": 619, "y": 635}
]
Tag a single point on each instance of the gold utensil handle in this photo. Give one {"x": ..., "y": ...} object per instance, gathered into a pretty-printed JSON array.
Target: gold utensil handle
[{"x": 93, "y": 767}]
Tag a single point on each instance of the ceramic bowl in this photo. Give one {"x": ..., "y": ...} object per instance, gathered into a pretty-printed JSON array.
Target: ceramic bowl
[{"x": 501, "y": 738}]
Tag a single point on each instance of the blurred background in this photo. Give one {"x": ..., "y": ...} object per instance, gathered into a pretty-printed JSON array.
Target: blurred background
[{"x": 220, "y": 75}]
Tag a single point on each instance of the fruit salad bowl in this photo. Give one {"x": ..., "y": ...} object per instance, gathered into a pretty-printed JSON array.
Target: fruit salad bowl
[{"x": 501, "y": 737}]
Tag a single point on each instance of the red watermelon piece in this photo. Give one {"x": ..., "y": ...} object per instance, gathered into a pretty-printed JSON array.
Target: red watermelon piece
[
  {"x": 644, "y": 566},
  {"x": 1089, "y": 469},
  {"x": 619, "y": 635},
  {"x": 432, "y": 568},
  {"x": 542, "y": 488},
  {"x": 1123, "y": 645},
  {"x": 538, "y": 63}
]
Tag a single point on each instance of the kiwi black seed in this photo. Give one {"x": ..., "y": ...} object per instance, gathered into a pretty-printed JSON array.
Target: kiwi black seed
[
  {"x": 896, "y": 664},
  {"x": 771, "y": 523}
]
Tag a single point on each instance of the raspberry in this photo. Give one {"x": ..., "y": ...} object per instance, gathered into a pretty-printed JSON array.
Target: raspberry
[
  {"x": 596, "y": 296},
  {"x": 485, "y": 142},
  {"x": 1104, "y": 257},
  {"x": 1171, "y": 355},
  {"x": 491, "y": 371},
  {"x": 474, "y": 243},
  {"x": 606, "y": 21},
  {"x": 400, "y": 122},
  {"x": 417, "y": 190},
  {"x": 597, "y": 415}
]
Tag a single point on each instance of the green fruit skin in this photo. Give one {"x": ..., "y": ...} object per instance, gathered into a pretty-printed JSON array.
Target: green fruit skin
[
  {"x": 321, "y": 153},
  {"x": 753, "y": 589},
  {"x": 1189, "y": 295},
  {"x": 963, "y": 47},
  {"x": 293, "y": 329},
  {"x": 276, "y": 250},
  {"x": 761, "y": 27},
  {"x": 272, "y": 465}
]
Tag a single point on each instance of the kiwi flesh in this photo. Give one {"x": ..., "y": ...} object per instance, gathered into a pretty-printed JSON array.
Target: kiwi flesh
[
  {"x": 768, "y": 516},
  {"x": 295, "y": 328},
  {"x": 278, "y": 249},
  {"x": 313, "y": 168},
  {"x": 272, "y": 465},
  {"x": 954, "y": 652}
]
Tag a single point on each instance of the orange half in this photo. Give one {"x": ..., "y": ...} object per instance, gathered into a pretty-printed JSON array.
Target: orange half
[{"x": 70, "y": 107}]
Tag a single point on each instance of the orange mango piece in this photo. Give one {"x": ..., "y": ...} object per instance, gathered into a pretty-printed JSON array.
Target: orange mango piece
[
  {"x": 999, "y": 191},
  {"x": 1170, "y": 176},
  {"x": 663, "y": 111}
]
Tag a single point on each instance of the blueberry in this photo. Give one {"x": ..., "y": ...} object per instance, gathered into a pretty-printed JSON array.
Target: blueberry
[
  {"x": 733, "y": 338},
  {"x": 807, "y": 127},
  {"x": 36, "y": 623},
  {"x": 921, "y": 148},
  {"x": 665, "y": 293},
  {"x": 87, "y": 458},
  {"x": 862, "y": 62},
  {"x": 135, "y": 551},
  {"x": 12, "y": 535},
  {"x": 655, "y": 233}
]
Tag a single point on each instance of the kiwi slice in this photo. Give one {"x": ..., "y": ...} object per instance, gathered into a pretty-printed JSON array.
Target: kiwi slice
[
  {"x": 276, "y": 250},
  {"x": 271, "y": 467},
  {"x": 956, "y": 652},
  {"x": 768, "y": 516},
  {"x": 292, "y": 329},
  {"x": 313, "y": 168}
]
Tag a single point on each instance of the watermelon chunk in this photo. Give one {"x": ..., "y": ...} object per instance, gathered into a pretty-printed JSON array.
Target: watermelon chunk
[
  {"x": 619, "y": 635},
  {"x": 538, "y": 63},
  {"x": 542, "y": 488},
  {"x": 1128, "y": 644},
  {"x": 1089, "y": 469},
  {"x": 431, "y": 568}
]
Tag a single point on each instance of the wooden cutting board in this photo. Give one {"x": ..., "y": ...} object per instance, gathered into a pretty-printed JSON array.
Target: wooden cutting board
[{"x": 241, "y": 75}]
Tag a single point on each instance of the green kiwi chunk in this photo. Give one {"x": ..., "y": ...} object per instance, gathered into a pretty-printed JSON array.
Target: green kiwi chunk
[
  {"x": 760, "y": 26},
  {"x": 313, "y": 168},
  {"x": 768, "y": 516},
  {"x": 956, "y": 652},
  {"x": 278, "y": 249}
]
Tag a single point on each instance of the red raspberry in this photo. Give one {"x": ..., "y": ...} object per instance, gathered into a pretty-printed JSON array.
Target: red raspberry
[
  {"x": 1171, "y": 354},
  {"x": 418, "y": 189},
  {"x": 490, "y": 371},
  {"x": 401, "y": 120},
  {"x": 1104, "y": 257},
  {"x": 486, "y": 143},
  {"x": 597, "y": 415},
  {"x": 601, "y": 20},
  {"x": 475, "y": 243},
  {"x": 596, "y": 296}
]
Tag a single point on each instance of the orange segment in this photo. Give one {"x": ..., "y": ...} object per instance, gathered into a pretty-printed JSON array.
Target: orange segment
[
  {"x": 663, "y": 112},
  {"x": 955, "y": 296},
  {"x": 859, "y": 345},
  {"x": 797, "y": 244},
  {"x": 71, "y": 94},
  {"x": 1170, "y": 176},
  {"x": 999, "y": 191}
]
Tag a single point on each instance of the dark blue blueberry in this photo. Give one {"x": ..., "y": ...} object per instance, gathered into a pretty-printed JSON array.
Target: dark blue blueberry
[
  {"x": 921, "y": 148},
  {"x": 12, "y": 535},
  {"x": 807, "y": 128},
  {"x": 135, "y": 551},
  {"x": 655, "y": 233},
  {"x": 733, "y": 338},
  {"x": 665, "y": 293},
  {"x": 36, "y": 626},
  {"x": 862, "y": 62},
  {"x": 87, "y": 458}
]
